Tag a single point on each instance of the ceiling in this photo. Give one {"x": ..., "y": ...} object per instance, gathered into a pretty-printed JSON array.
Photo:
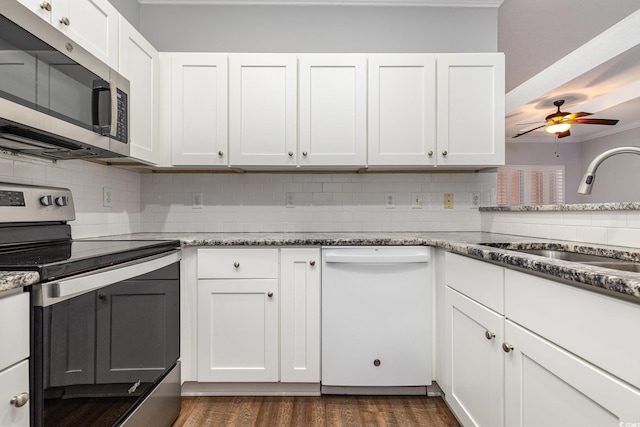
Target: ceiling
[{"x": 432, "y": 3}]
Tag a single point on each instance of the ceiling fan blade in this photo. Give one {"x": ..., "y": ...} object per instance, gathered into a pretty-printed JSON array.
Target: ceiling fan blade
[
  {"x": 574, "y": 116},
  {"x": 594, "y": 121},
  {"x": 530, "y": 130}
]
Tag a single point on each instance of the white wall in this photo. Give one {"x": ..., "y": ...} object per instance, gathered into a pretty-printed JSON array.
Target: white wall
[
  {"x": 86, "y": 181},
  {"x": 332, "y": 29},
  {"x": 255, "y": 202}
]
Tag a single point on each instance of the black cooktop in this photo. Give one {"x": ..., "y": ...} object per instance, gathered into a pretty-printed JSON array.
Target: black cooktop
[{"x": 54, "y": 260}]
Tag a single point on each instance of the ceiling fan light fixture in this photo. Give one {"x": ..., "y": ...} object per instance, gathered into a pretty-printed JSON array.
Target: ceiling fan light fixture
[{"x": 557, "y": 127}]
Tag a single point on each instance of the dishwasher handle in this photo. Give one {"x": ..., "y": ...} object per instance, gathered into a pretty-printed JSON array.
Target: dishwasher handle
[{"x": 386, "y": 257}]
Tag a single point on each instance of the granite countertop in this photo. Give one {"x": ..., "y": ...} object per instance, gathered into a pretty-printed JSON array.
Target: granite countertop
[
  {"x": 612, "y": 206},
  {"x": 613, "y": 282},
  {"x": 17, "y": 279}
]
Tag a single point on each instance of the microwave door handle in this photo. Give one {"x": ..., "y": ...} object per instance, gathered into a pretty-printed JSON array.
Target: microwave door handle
[
  {"x": 100, "y": 86},
  {"x": 113, "y": 118}
]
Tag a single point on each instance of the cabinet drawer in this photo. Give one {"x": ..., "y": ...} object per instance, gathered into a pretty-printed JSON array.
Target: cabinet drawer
[
  {"x": 14, "y": 329},
  {"x": 595, "y": 327},
  {"x": 238, "y": 263},
  {"x": 478, "y": 280},
  {"x": 13, "y": 382}
]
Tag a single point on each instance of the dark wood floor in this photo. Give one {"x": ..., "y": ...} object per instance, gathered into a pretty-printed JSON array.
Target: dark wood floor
[{"x": 330, "y": 411}]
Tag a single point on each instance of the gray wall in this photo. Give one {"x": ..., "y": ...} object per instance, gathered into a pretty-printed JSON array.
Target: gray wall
[
  {"x": 567, "y": 154},
  {"x": 331, "y": 29},
  {"x": 617, "y": 178}
]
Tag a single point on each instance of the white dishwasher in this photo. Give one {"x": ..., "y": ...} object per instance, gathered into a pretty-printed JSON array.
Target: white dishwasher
[{"x": 376, "y": 319}]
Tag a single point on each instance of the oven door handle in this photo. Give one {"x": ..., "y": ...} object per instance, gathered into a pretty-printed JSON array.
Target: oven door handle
[{"x": 54, "y": 292}]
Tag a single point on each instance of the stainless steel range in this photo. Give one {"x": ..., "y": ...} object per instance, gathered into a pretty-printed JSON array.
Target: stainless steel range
[{"x": 105, "y": 321}]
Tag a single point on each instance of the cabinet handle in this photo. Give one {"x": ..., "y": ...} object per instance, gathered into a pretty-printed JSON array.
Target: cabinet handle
[
  {"x": 376, "y": 362},
  {"x": 304, "y": 153},
  {"x": 489, "y": 335},
  {"x": 20, "y": 400},
  {"x": 507, "y": 347},
  {"x": 46, "y": 6},
  {"x": 236, "y": 264},
  {"x": 269, "y": 294},
  {"x": 312, "y": 263},
  {"x": 290, "y": 153},
  {"x": 65, "y": 21},
  {"x": 430, "y": 153},
  {"x": 444, "y": 152},
  {"x": 220, "y": 153},
  {"x": 102, "y": 296}
]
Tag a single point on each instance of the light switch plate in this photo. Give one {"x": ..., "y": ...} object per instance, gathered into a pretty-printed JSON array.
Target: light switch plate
[
  {"x": 291, "y": 202},
  {"x": 389, "y": 200},
  {"x": 416, "y": 201},
  {"x": 196, "y": 200},
  {"x": 474, "y": 200}
]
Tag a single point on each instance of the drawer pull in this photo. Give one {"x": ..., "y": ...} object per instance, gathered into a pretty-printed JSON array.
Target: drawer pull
[
  {"x": 46, "y": 6},
  {"x": 65, "y": 21},
  {"x": 376, "y": 362},
  {"x": 270, "y": 294},
  {"x": 220, "y": 153},
  {"x": 312, "y": 263},
  {"x": 507, "y": 347},
  {"x": 236, "y": 264},
  {"x": 20, "y": 400},
  {"x": 430, "y": 153},
  {"x": 489, "y": 335},
  {"x": 444, "y": 152}
]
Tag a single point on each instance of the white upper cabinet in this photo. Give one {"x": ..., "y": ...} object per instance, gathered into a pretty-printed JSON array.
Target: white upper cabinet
[
  {"x": 263, "y": 110},
  {"x": 333, "y": 110},
  {"x": 402, "y": 110},
  {"x": 198, "y": 109},
  {"x": 91, "y": 23},
  {"x": 470, "y": 109},
  {"x": 139, "y": 63}
]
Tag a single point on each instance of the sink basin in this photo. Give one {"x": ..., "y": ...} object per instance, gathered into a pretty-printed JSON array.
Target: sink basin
[{"x": 594, "y": 260}]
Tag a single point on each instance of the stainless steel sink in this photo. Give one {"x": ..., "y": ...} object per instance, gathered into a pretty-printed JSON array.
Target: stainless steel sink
[{"x": 594, "y": 260}]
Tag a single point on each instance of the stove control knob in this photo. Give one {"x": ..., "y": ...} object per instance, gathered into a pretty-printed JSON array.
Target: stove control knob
[
  {"x": 46, "y": 200},
  {"x": 62, "y": 201}
]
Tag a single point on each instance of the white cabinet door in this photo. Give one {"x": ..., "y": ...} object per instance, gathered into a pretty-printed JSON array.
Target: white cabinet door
[
  {"x": 402, "y": 110},
  {"x": 474, "y": 337},
  {"x": 139, "y": 63},
  {"x": 238, "y": 330},
  {"x": 300, "y": 315},
  {"x": 14, "y": 329},
  {"x": 262, "y": 109},
  {"x": 13, "y": 382},
  {"x": 333, "y": 110},
  {"x": 91, "y": 23},
  {"x": 546, "y": 385},
  {"x": 198, "y": 109},
  {"x": 470, "y": 109}
]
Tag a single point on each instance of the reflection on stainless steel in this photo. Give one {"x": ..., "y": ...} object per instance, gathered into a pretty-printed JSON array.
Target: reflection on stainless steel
[{"x": 590, "y": 176}]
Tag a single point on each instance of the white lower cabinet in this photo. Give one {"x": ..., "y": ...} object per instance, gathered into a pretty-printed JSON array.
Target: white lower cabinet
[
  {"x": 14, "y": 360},
  {"x": 548, "y": 386},
  {"x": 557, "y": 356},
  {"x": 476, "y": 360},
  {"x": 258, "y": 329}
]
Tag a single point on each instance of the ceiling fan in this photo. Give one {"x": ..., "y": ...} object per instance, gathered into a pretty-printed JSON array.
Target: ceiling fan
[{"x": 560, "y": 122}]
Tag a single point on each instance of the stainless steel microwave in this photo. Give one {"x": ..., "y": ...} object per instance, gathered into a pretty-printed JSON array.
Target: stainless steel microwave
[{"x": 56, "y": 99}]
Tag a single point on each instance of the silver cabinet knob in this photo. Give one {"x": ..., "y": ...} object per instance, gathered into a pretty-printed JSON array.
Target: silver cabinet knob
[
  {"x": 65, "y": 21},
  {"x": 290, "y": 153},
  {"x": 270, "y": 294},
  {"x": 20, "y": 400},
  {"x": 430, "y": 153},
  {"x": 236, "y": 264},
  {"x": 489, "y": 335},
  {"x": 312, "y": 263},
  {"x": 507, "y": 347},
  {"x": 304, "y": 153},
  {"x": 46, "y": 6},
  {"x": 220, "y": 153},
  {"x": 376, "y": 362},
  {"x": 444, "y": 152}
]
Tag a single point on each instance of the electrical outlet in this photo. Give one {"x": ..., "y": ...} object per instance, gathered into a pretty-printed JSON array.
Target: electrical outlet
[
  {"x": 474, "y": 200},
  {"x": 196, "y": 200},
  {"x": 448, "y": 200},
  {"x": 291, "y": 203},
  {"x": 107, "y": 197},
  {"x": 416, "y": 201},
  {"x": 389, "y": 201}
]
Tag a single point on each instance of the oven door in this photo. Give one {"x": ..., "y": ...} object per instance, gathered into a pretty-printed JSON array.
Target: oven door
[{"x": 103, "y": 341}]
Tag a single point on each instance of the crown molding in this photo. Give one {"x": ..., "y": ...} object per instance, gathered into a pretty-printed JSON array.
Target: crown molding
[{"x": 413, "y": 3}]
